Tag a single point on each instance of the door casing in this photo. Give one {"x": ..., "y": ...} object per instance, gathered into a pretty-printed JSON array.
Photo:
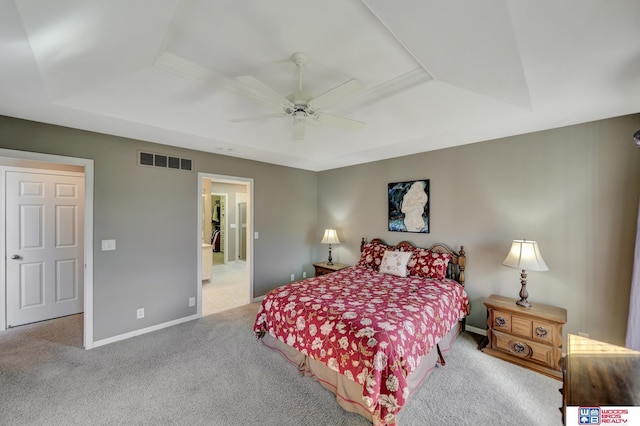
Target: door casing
[
  {"x": 198, "y": 240},
  {"x": 88, "y": 166}
]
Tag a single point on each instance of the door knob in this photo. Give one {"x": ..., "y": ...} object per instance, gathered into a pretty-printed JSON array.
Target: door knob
[{"x": 15, "y": 257}]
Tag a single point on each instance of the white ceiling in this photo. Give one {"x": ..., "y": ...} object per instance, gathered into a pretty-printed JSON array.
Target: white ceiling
[{"x": 437, "y": 73}]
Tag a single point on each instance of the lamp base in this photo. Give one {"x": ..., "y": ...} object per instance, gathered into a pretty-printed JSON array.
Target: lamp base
[{"x": 524, "y": 294}]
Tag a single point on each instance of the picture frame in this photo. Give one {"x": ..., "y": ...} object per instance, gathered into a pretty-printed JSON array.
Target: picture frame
[{"x": 409, "y": 206}]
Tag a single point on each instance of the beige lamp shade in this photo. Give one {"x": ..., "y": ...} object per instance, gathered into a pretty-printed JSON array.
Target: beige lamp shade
[
  {"x": 525, "y": 254},
  {"x": 330, "y": 237}
]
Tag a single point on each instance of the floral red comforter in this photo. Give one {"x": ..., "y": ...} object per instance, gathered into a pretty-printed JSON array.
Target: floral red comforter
[{"x": 372, "y": 328}]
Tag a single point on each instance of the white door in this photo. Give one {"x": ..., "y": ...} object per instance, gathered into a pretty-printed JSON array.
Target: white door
[{"x": 44, "y": 228}]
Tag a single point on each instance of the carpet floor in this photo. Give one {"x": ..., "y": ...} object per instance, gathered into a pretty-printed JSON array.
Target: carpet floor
[{"x": 212, "y": 371}]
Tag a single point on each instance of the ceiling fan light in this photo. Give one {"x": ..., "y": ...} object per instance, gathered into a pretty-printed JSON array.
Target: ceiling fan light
[{"x": 299, "y": 117}]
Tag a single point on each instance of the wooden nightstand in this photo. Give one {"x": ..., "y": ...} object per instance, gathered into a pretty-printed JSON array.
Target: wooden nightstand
[
  {"x": 322, "y": 268},
  {"x": 530, "y": 337}
]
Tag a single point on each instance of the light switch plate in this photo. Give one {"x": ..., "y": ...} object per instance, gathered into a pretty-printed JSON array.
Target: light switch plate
[{"x": 108, "y": 245}]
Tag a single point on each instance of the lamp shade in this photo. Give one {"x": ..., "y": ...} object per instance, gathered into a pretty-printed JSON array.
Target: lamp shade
[
  {"x": 525, "y": 254},
  {"x": 330, "y": 237}
]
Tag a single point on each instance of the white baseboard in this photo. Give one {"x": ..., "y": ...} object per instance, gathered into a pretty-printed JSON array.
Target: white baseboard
[
  {"x": 258, "y": 299},
  {"x": 142, "y": 331},
  {"x": 476, "y": 330}
]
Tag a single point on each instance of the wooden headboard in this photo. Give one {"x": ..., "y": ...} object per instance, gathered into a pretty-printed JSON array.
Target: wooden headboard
[{"x": 457, "y": 264}]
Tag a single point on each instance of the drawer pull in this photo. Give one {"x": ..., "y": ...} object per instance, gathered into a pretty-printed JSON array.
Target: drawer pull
[
  {"x": 542, "y": 332},
  {"x": 519, "y": 348},
  {"x": 501, "y": 322}
]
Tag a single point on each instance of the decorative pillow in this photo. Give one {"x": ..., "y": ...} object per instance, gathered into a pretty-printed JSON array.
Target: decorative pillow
[
  {"x": 395, "y": 263},
  {"x": 371, "y": 255},
  {"x": 429, "y": 264}
]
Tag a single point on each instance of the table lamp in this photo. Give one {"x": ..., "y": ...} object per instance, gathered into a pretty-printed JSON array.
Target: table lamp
[
  {"x": 330, "y": 237},
  {"x": 525, "y": 254}
]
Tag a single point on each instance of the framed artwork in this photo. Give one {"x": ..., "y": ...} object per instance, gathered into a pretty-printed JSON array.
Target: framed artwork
[{"x": 409, "y": 206}]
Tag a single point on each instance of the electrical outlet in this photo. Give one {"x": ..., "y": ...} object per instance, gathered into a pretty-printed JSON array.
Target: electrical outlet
[
  {"x": 293, "y": 277},
  {"x": 192, "y": 302},
  {"x": 304, "y": 274},
  {"x": 140, "y": 313}
]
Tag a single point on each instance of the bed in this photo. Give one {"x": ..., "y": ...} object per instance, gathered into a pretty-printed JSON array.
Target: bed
[{"x": 371, "y": 333}]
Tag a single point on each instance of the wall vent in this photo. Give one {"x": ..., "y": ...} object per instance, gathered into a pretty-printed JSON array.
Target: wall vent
[{"x": 164, "y": 161}]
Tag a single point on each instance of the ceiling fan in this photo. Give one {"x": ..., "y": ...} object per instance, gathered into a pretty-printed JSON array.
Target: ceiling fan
[{"x": 302, "y": 107}]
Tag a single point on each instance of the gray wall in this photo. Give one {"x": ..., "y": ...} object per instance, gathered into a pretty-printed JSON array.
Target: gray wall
[
  {"x": 152, "y": 214},
  {"x": 575, "y": 190}
]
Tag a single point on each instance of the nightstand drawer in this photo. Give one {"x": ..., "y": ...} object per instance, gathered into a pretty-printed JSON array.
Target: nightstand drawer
[
  {"x": 521, "y": 326},
  {"x": 502, "y": 321},
  {"x": 524, "y": 348},
  {"x": 544, "y": 332}
]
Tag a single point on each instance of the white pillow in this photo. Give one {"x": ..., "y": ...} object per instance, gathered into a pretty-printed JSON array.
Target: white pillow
[{"x": 395, "y": 263}]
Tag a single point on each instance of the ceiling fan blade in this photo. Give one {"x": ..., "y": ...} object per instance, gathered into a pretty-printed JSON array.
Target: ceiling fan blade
[
  {"x": 259, "y": 117},
  {"x": 184, "y": 68},
  {"x": 337, "y": 94},
  {"x": 342, "y": 122},
  {"x": 265, "y": 91},
  {"x": 298, "y": 129}
]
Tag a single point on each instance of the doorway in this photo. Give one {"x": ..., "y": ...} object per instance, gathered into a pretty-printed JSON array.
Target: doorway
[
  {"x": 231, "y": 279},
  {"x": 39, "y": 164}
]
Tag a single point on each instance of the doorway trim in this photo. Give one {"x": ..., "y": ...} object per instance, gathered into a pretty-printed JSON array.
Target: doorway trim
[
  {"x": 224, "y": 179},
  {"x": 87, "y": 164}
]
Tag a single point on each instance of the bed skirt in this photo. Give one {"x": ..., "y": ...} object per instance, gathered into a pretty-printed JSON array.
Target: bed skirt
[{"x": 349, "y": 393}]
